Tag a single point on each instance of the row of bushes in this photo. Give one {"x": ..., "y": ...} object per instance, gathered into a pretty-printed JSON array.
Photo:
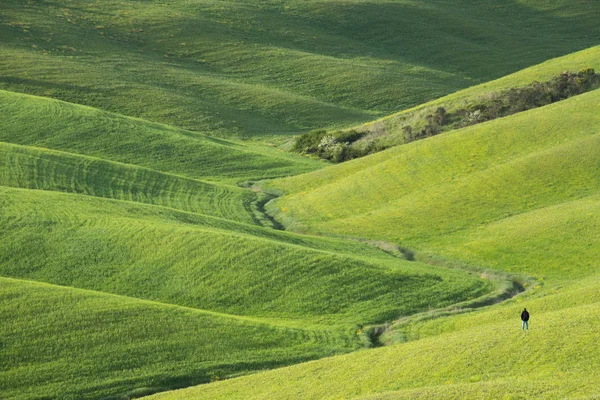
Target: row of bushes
[
  {"x": 507, "y": 102},
  {"x": 339, "y": 146}
]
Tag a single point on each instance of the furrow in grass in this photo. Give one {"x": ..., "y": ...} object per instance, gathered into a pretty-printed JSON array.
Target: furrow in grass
[
  {"x": 46, "y": 123},
  {"x": 34, "y": 168},
  {"x": 141, "y": 251}
]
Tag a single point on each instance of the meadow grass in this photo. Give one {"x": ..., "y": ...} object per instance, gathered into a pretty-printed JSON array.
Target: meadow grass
[
  {"x": 46, "y": 123},
  {"x": 517, "y": 194},
  {"x": 239, "y": 68},
  {"x": 69, "y": 343},
  {"x": 478, "y": 175},
  {"x": 42, "y": 169},
  {"x": 556, "y": 358},
  {"x": 143, "y": 252}
]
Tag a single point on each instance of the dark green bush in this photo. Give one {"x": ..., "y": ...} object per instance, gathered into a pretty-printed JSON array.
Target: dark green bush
[
  {"x": 340, "y": 146},
  {"x": 326, "y": 145},
  {"x": 309, "y": 142},
  {"x": 350, "y": 136}
]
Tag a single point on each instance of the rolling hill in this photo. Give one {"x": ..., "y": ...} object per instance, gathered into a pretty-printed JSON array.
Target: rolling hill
[
  {"x": 518, "y": 194},
  {"x": 244, "y": 69},
  {"x": 78, "y": 344},
  {"x": 138, "y": 253},
  {"x": 134, "y": 221}
]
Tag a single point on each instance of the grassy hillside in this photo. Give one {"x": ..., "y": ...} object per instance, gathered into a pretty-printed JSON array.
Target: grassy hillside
[
  {"x": 519, "y": 194},
  {"x": 555, "y": 359},
  {"x": 103, "y": 202},
  {"x": 42, "y": 169},
  {"x": 479, "y": 174},
  {"x": 387, "y": 131},
  {"x": 247, "y": 69},
  {"x": 68, "y": 343},
  {"x": 52, "y": 124},
  {"x": 178, "y": 258}
]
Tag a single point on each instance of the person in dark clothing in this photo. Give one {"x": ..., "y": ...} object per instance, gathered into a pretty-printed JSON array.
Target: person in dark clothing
[{"x": 525, "y": 319}]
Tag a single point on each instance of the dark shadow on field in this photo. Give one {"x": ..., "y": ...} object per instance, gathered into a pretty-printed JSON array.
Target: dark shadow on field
[
  {"x": 461, "y": 42},
  {"x": 481, "y": 33},
  {"x": 219, "y": 372},
  {"x": 481, "y": 36},
  {"x": 468, "y": 42},
  {"x": 9, "y": 83}
]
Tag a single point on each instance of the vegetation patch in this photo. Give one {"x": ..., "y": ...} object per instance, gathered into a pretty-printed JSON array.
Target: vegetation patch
[{"x": 342, "y": 146}]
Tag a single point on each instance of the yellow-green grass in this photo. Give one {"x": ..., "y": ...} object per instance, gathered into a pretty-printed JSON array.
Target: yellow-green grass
[
  {"x": 574, "y": 294},
  {"x": 42, "y": 169},
  {"x": 489, "y": 358},
  {"x": 517, "y": 194},
  {"x": 520, "y": 194},
  {"x": 69, "y": 343},
  {"x": 296, "y": 298},
  {"x": 237, "y": 298},
  {"x": 391, "y": 126},
  {"x": 165, "y": 255},
  {"x": 557, "y": 243},
  {"x": 457, "y": 180},
  {"x": 261, "y": 69},
  {"x": 47, "y": 123}
]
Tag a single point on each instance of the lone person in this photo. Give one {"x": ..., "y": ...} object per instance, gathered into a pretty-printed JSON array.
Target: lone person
[{"x": 525, "y": 319}]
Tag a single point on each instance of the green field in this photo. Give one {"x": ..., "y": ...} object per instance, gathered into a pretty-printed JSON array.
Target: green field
[
  {"x": 134, "y": 219},
  {"x": 387, "y": 132},
  {"x": 248, "y": 69},
  {"x": 519, "y": 194},
  {"x": 77, "y": 344},
  {"x": 486, "y": 177},
  {"x": 52, "y": 124},
  {"x": 489, "y": 358},
  {"x": 157, "y": 240}
]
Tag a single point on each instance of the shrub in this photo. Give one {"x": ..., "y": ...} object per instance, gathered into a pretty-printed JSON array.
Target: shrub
[
  {"x": 340, "y": 146},
  {"x": 350, "y": 136},
  {"x": 322, "y": 143},
  {"x": 439, "y": 117},
  {"x": 309, "y": 142}
]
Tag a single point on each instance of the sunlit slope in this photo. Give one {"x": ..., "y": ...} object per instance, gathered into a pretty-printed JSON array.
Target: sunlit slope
[
  {"x": 52, "y": 124},
  {"x": 488, "y": 358},
  {"x": 520, "y": 194},
  {"x": 557, "y": 243},
  {"x": 73, "y": 344},
  {"x": 253, "y": 69},
  {"x": 422, "y": 192},
  {"x": 545, "y": 71},
  {"x": 34, "y": 168},
  {"x": 164, "y": 255}
]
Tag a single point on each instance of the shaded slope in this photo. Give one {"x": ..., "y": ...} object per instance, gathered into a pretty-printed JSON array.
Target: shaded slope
[
  {"x": 248, "y": 69},
  {"x": 61, "y": 342},
  {"x": 41, "y": 122}
]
